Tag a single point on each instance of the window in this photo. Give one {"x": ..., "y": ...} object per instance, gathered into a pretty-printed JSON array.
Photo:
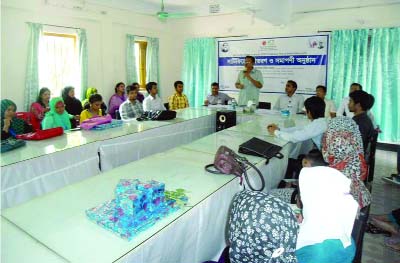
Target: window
[
  {"x": 140, "y": 56},
  {"x": 59, "y": 63}
]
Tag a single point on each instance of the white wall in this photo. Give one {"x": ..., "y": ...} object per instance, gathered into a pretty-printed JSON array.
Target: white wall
[
  {"x": 106, "y": 37},
  {"x": 301, "y": 24},
  {"x": 106, "y": 44}
]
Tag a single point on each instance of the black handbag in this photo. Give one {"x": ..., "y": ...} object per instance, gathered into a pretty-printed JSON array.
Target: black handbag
[
  {"x": 258, "y": 147},
  {"x": 226, "y": 161},
  {"x": 159, "y": 115}
]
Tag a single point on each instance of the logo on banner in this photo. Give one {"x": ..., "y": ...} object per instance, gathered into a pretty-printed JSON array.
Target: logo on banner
[
  {"x": 225, "y": 47},
  {"x": 316, "y": 43},
  {"x": 268, "y": 44}
]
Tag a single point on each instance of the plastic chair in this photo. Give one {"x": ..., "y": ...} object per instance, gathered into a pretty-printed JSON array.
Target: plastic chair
[
  {"x": 370, "y": 156},
  {"x": 30, "y": 119},
  {"x": 117, "y": 115},
  {"x": 358, "y": 232}
]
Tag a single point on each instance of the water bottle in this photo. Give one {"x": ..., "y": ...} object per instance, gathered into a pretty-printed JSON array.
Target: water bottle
[
  {"x": 289, "y": 107},
  {"x": 234, "y": 103}
]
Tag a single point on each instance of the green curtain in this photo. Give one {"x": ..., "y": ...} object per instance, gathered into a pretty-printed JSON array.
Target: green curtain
[
  {"x": 383, "y": 81},
  {"x": 347, "y": 62},
  {"x": 199, "y": 68},
  {"x": 131, "y": 75},
  {"x": 32, "y": 68},
  {"x": 153, "y": 61},
  {"x": 83, "y": 61}
]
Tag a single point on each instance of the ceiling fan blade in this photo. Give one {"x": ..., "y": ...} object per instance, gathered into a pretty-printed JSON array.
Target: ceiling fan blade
[{"x": 180, "y": 15}]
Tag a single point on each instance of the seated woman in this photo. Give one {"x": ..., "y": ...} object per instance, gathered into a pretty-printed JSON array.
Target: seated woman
[
  {"x": 94, "y": 110},
  {"x": 261, "y": 229},
  {"x": 72, "y": 104},
  {"x": 85, "y": 103},
  {"x": 117, "y": 99},
  {"x": 10, "y": 125},
  {"x": 291, "y": 195},
  {"x": 131, "y": 108},
  {"x": 328, "y": 217},
  {"x": 342, "y": 149},
  {"x": 57, "y": 116},
  {"x": 41, "y": 106}
]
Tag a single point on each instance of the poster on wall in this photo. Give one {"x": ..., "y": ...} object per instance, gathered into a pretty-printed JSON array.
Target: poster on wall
[{"x": 303, "y": 59}]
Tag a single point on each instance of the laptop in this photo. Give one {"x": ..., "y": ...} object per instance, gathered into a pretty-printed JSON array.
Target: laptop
[{"x": 258, "y": 147}]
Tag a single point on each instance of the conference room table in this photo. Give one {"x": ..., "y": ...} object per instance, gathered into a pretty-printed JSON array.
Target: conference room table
[
  {"x": 194, "y": 233},
  {"x": 44, "y": 166}
]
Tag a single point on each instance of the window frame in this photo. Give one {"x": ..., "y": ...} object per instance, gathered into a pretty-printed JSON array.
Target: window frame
[{"x": 142, "y": 63}]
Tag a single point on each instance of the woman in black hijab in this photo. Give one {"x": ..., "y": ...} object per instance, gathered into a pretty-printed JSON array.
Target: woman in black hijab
[{"x": 72, "y": 104}]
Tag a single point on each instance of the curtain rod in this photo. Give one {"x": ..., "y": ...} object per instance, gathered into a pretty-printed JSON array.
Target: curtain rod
[
  {"x": 60, "y": 26},
  {"x": 233, "y": 36}
]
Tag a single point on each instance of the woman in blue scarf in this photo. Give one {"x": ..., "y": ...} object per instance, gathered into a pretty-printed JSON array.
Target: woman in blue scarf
[{"x": 10, "y": 125}]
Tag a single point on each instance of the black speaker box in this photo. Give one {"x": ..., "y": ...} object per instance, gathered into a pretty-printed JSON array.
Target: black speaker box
[{"x": 225, "y": 119}]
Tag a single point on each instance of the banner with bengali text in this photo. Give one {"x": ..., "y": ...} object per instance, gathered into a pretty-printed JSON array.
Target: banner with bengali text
[{"x": 303, "y": 59}]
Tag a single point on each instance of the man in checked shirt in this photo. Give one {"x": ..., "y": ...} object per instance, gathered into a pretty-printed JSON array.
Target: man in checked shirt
[{"x": 178, "y": 100}]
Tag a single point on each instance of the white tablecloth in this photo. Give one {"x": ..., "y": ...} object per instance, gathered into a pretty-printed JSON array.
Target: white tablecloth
[
  {"x": 122, "y": 150},
  {"x": 41, "y": 167},
  {"x": 195, "y": 234},
  {"x": 27, "y": 179}
]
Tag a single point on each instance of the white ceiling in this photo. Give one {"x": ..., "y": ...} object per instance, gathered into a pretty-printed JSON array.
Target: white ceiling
[
  {"x": 227, "y": 6},
  {"x": 274, "y": 11}
]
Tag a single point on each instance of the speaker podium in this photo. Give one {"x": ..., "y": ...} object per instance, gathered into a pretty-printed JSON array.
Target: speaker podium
[{"x": 225, "y": 119}]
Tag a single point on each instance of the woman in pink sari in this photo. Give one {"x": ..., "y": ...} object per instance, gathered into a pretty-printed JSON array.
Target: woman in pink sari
[{"x": 41, "y": 106}]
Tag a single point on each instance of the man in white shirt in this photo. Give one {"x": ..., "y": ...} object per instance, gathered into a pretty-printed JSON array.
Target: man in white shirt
[
  {"x": 216, "y": 97},
  {"x": 330, "y": 108},
  {"x": 315, "y": 109},
  {"x": 290, "y": 101},
  {"x": 343, "y": 109},
  {"x": 152, "y": 102}
]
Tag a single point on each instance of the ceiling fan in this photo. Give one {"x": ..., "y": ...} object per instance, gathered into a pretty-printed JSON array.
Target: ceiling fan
[{"x": 164, "y": 15}]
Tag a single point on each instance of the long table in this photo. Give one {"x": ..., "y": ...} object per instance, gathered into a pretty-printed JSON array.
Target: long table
[
  {"x": 44, "y": 166},
  {"x": 193, "y": 234}
]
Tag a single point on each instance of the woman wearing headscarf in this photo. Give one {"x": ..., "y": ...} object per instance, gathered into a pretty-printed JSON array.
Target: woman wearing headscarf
[
  {"x": 86, "y": 104},
  {"x": 41, "y": 106},
  {"x": 117, "y": 99},
  {"x": 57, "y": 116},
  {"x": 10, "y": 125},
  {"x": 72, "y": 104},
  {"x": 328, "y": 217},
  {"x": 342, "y": 149},
  {"x": 262, "y": 229}
]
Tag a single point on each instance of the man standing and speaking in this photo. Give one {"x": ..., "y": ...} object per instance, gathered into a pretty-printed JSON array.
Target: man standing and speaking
[{"x": 249, "y": 82}]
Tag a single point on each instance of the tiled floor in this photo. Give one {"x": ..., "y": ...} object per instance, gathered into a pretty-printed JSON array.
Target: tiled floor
[{"x": 386, "y": 197}]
